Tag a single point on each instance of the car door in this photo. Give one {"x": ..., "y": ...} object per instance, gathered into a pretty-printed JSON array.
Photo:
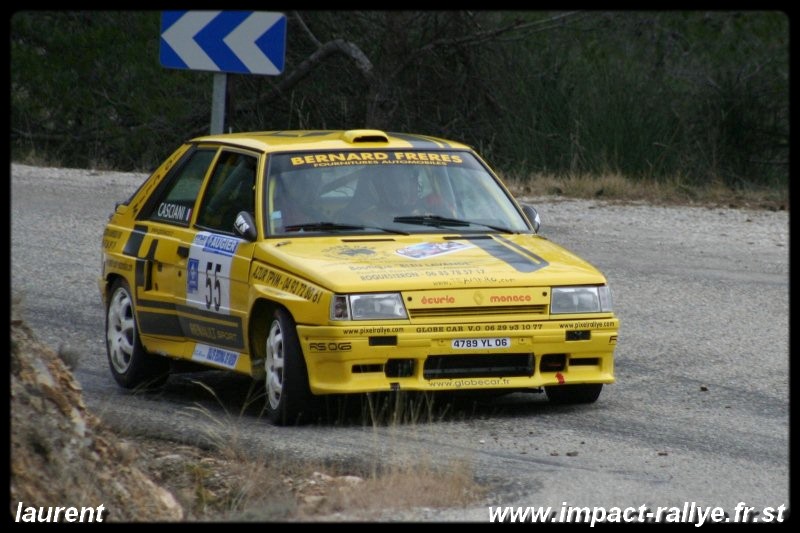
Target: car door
[
  {"x": 213, "y": 264},
  {"x": 192, "y": 270}
]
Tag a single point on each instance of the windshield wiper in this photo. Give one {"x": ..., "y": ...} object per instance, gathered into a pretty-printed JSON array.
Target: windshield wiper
[
  {"x": 332, "y": 226},
  {"x": 438, "y": 221}
]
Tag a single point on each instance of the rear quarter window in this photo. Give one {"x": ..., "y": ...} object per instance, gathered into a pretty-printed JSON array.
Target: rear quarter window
[{"x": 174, "y": 203}]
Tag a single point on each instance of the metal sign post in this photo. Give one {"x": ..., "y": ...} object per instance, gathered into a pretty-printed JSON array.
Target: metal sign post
[{"x": 218, "y": 103}]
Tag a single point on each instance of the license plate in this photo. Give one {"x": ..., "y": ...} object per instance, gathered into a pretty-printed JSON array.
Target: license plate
[{"x": 481, "y": 344}]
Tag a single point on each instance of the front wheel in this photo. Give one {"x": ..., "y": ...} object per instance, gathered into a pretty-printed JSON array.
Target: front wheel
[
  {"x": 289, "y": 398},
  {"x": 566, "y": 394},
  {"x": 131, "y": 365}
]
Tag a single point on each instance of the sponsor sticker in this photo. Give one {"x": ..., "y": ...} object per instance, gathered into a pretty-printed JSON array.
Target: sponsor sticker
[
  {"x": 177, "y": 212},
  {"x": 331, "y": 159},
  {"x": 432, "y": 249},
  {"x": 286, "y": 283},
  {"x": 208, "y": 283},
  {"x": 216, "y": 356},
  {"x": 220, "y": 244},
  {"x": 191, "y": 279}
]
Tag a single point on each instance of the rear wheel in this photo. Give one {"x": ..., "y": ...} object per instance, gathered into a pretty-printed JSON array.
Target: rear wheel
[
  {"x": 131, "y": 365},
  {"x": 566, "y": 394},
  {"x": 289, "y": 398}
]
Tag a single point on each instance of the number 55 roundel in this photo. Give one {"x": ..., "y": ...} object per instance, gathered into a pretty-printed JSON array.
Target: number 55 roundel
[{"x": 208, "y": 284}]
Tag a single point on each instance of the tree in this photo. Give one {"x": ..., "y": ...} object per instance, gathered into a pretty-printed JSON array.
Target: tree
[{"x": 646, "y": 94}]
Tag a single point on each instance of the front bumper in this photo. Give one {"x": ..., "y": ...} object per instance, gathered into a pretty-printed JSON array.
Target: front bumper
[{"x": 510, "y": 355}]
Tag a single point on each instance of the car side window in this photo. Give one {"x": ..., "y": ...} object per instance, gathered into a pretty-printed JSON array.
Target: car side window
[
  {"x": 230, "y": 190},
  {"x": 178, "y": 198}
]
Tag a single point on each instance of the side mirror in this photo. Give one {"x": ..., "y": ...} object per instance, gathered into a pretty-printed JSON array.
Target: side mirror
[
  {"x": 533, "y": 216},
  {"x": 245, "y": 226}
]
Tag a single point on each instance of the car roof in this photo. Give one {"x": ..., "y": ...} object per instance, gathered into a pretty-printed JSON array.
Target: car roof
[{"x": 315, "y": 140}]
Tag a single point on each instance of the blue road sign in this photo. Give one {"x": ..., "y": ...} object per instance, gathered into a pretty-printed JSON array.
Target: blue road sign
[{"x": 242, "y": 42}]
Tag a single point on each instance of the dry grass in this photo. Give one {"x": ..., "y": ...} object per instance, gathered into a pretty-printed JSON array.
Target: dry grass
[
  {"x": 418, "y": 485},
  {"x": 225, "y": 479},
  {"x": 212, "y": 485},
  {"x": 609, "y": 187},
  {"x": 617, "y": 188},
  {"x": 401, "y": 408}
]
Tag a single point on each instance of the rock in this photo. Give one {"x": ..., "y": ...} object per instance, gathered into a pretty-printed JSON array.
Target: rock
[
  {"x": 351, "y": 480},
  {"x": 61, "y": 454}
]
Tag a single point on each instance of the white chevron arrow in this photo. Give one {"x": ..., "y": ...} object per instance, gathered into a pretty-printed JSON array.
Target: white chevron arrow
[
  {"x": 242, "y": 41},
  {"x": 180, "y": 36}
]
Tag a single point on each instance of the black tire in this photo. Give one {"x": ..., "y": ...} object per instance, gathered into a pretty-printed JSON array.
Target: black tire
[
  {"x": 288, "y": 396},
  {"x": 567, "y": 394},
  {"x": 131, "y": 365}
]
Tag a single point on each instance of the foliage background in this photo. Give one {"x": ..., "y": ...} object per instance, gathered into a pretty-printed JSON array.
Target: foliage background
[{"x": 649, "y": 95}]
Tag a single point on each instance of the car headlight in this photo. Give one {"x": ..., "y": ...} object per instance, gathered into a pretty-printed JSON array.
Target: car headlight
[
  {"x": 592, "y": 299},
  {"x": 385, "y": 306}
]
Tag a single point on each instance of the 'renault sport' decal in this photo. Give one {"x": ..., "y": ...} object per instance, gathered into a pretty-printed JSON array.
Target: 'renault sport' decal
[
  {"x": 161, "y": 318},
  {"x": 522, "y": 259}
]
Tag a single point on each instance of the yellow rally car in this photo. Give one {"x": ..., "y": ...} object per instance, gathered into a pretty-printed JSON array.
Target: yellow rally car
[{"x": 330, "y": 262}]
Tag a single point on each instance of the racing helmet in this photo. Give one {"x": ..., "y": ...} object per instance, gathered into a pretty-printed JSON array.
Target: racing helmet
[{"x": 398, "y": 186}]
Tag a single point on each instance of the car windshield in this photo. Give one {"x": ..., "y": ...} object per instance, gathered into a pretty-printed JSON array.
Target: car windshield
[{"x": 386, "y": 192}]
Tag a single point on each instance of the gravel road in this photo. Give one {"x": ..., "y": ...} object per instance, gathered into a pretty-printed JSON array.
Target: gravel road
[{"x": 699, "y": 413}]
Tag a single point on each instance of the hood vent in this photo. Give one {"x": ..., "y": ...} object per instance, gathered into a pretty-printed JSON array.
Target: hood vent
[{"x": 365, "y": 136}]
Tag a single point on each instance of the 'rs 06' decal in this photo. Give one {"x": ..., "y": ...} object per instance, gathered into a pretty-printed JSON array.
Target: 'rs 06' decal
[{"x": 208, "y": 280}]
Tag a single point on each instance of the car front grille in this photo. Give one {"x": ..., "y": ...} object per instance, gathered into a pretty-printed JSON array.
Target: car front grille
[{"x": 479, "y": 365}]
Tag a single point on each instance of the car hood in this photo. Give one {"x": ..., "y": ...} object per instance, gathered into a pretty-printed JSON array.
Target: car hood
[{"x": 364, "y": 264}]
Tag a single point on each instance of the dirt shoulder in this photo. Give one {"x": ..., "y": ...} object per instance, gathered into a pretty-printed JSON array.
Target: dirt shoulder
[{"x": 63, "y": 455}]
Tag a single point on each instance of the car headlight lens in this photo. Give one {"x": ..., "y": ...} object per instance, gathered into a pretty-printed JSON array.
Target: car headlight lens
[
  {"x": 384, "y": 306},
  {"x": 580, "y": 300}
]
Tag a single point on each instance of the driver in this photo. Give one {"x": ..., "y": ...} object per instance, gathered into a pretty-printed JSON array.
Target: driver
[
  {"x": 392, "y": 190},
  {"x": 389, "y": 191},
  {"x": 398, "y": 189}
]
